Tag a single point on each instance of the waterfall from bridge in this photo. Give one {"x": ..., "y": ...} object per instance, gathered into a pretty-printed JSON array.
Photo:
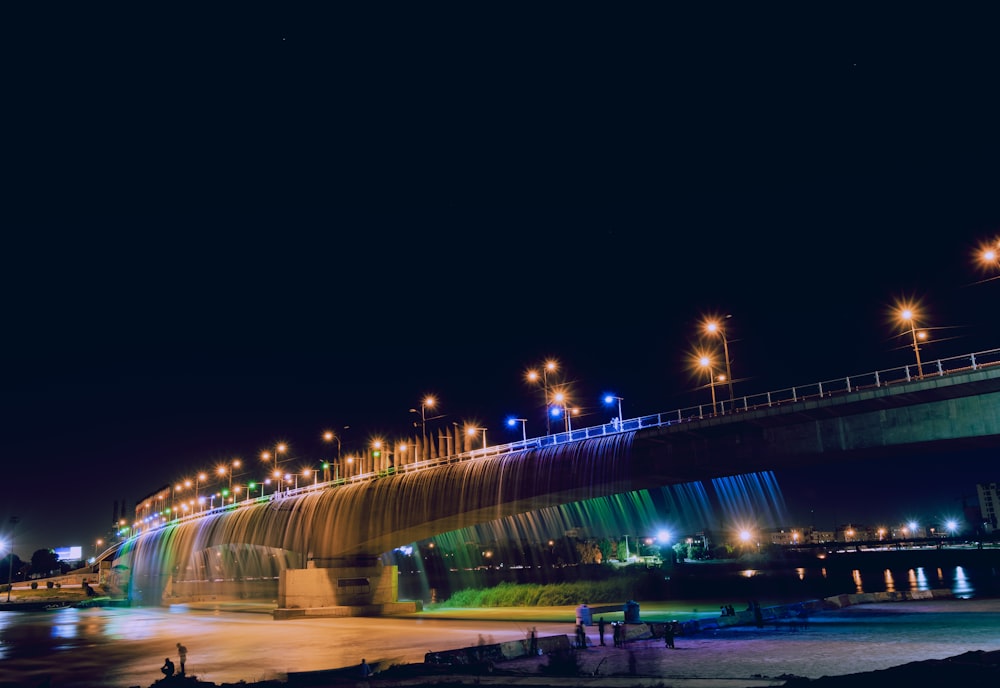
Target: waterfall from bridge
[
  {"x": 242, "y": 550},
  {"x": 519, "y": 542}
]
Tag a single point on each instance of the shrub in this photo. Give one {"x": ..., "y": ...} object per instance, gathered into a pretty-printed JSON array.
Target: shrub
[
  {"x": 550, "y": 595},
  {"x": 49, "y": 584},
  {"x": 34, "y": 585}
]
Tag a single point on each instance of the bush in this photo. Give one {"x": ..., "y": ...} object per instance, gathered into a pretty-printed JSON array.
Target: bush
[
  {"x": 34, "y": 585},
  {"x": 550, "y": 595},
  {"x": 49, "y": 584}
]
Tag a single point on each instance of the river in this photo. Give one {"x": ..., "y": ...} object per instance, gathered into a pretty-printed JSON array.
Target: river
[{"x": 123, "y": 647}]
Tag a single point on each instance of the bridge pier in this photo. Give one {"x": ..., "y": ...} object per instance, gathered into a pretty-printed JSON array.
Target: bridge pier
[{"x": 341, "y": 587}]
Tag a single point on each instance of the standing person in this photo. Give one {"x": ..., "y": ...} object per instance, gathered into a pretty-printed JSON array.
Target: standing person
[
  {"x": 366, "y": 671},
  {"x": 668, "y": 634},
  {"x": 183, "y": 652},
  {"x": 600, "y": 628}
]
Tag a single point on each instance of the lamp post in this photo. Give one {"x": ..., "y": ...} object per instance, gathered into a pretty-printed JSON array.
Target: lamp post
[
  {"x": 471, "y": 430},
  {"x": 524, "y": 426},
  {"x": 10, "y": 568},
  {"x": 560, "y": 399},
  {"x": 330, "y": 436},
  {"x": 715, "y": 327},
  {"x": 428, "y": 402},
  {"x": 223, "y": 470},
  {"x": 279, "y": 448},
  {"x": 907, "y": 315},
  {"x": 534, "y": 376},
  {"x": 609, "y": 399},
  {"x": 197, "y": 481},
  {"x": 706, "y": 362}
]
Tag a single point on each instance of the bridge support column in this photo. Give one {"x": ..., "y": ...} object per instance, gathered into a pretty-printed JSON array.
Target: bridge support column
[{"x": 339, "y": 587}]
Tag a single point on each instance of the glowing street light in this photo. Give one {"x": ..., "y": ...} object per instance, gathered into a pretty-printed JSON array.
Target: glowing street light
[
  {"x": 907, "y": 315},
  {"x": 331, "y": 436},
  {"x": 714, "y": 327},
  {"x": 471, "y": 430},
  {"x": 610, "y": 399},
  {"x": 561, "y": 400},
  {"x": 511, "y": 422},
  {"x": 988, "y": 255},
  {"x": 706, "y": 363},
  {"x": 428, "y": 402},
  {"x": 200, "y": 478},
  {"x": 279, "y": 448},
  {"x": 549, "y": 366},
  {"x": 223, "y": 470}
]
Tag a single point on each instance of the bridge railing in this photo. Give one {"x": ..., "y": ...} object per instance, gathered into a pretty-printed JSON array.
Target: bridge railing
[{"x": 723, "y": 407}]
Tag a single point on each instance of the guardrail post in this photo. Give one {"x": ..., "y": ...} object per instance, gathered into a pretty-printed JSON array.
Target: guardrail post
[
  {"x": 848, "y": 385},
  {"x": 679, "y": 417},
  {"x": 820, "y": 390},
  {"x": 940, "y": 368},
  {"x": 768, "y": 398},
  {"x": 973, "y": 361},
  {"x": 907, "y": 373},
  {"x": 878, "y": 383},
  {"x": 794, "y": 395}
]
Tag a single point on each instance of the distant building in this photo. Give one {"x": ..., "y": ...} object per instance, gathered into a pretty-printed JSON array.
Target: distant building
[{"x": 989, "y": 501}]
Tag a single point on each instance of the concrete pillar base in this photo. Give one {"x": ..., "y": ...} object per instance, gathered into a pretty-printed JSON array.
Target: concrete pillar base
[{"x": 361, "y": 588}]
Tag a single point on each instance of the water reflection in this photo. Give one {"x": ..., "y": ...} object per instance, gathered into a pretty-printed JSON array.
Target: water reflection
[
  {"x": 890, "y": 582},
  {"x": 961, "y": 586}
]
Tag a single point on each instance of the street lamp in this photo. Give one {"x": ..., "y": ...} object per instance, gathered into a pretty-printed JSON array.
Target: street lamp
[
  {"x": 428, "y": 402},
  {"x": 511, "y": 422},
  {"x": 907, "y": 315},
  {"x": 715, "y": 327},
  {"x": 610, "y": 399},
  {"x": 198, "y": 480},
  {"x": 706, "y": 362},
  {"x": 279, "y": 448},
  {"x": 223, "y": 470},
  {"x": 471, "y": 430},
  {"x": 560, "y": 399},
  {"x": 330, "y": 436},
  {"x": 549, "y": 366},
  {"x": 989, "y": 255}
]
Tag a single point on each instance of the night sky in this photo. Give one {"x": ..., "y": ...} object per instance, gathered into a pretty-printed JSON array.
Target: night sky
[{"x": 227, "y": 231}]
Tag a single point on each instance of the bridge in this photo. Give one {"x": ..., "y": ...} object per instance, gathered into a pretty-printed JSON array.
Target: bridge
[{"x": 316, "y": 549}]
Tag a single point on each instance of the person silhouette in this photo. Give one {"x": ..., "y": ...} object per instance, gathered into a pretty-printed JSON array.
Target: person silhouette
[
  {"x": 366, "y": 670},
  {"x": 183, "y": 652},
  {"x": 167, "y": 668}
]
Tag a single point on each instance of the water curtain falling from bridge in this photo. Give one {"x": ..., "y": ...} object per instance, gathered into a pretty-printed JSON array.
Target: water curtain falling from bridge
[{"x": 525, "y": 495}]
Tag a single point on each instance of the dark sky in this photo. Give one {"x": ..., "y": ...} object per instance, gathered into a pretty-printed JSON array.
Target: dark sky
[{"x": 234, "y": 229}]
